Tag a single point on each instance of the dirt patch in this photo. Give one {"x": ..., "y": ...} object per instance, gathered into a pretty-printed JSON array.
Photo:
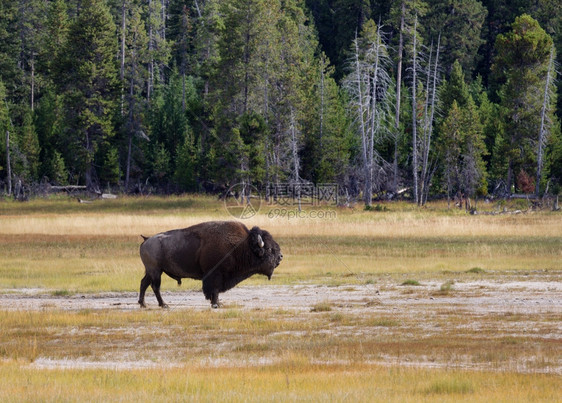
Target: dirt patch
[
  {"x": 504, "y": 325},
  {"x": 474, "y": 296}
]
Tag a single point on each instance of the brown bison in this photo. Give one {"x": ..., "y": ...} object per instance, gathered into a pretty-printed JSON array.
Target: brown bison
[{"x": 220, "y": 253}]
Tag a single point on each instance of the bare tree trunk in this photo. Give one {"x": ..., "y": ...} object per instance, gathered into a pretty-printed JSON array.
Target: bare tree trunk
[
  {"x": 246, "y": 61},
  {"x": 509, "y": 176},
  {"x": 368, "y": 190},
  {"x": 428, "y": 126},
  {"x": 360, "y": 98},
  {"x": 32, "y": 82},
  {"x": 164, "y": 14},
  {"x": 295, "y": 155},
  {"x": 150, "y": 52},
  {"x": 542, "y": 135},
  {"x": 132, "y": 125},
  {"x": 122, "y": 71},
  {"x": 8, "y": 164},
  {"x": 425, "y": 131},
  {"x": 398, "y": 91},
  {"x": 198, "y": 9},
  {"x": 363, "y": 110},
  {"x": 414, "y": 117},
  {"x": 448, "y": 189},
  {"x": 128, "y": 169},
  {"x": 321, "y": 130}
]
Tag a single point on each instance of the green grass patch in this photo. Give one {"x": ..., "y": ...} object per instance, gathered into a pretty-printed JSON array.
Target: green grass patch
[
  {"x": 453, "y": 386},
  {"x": 476, "y": 270},
  {"x": 411, "y": 282},
  {"x": 61, "y": 293},
  {"x": 61, "y": 204}
]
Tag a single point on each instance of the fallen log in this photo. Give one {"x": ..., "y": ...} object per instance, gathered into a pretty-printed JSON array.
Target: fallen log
[{"x": 68, "y": 188}]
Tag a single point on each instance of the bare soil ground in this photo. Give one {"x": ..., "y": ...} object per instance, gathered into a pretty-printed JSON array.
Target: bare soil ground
[
  {"x": 507, "y": 309},
  {"x": 474, "y": 296}
]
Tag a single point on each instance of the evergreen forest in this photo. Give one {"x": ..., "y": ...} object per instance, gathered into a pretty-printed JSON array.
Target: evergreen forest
[{"x": 422, "y": 99}]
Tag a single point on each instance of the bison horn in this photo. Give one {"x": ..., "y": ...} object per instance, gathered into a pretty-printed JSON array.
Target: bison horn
[{"x": 260, "y": 241}]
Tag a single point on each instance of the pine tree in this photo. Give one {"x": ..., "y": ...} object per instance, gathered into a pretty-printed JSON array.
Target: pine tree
[
  {"x": 337, "y": 22},
  {"x": 5, "y": 127},
  {"x": 31, "y": 20},
  {"x": 28, "y": 146},
  {"x": 492, "y": 128},
  {"x": 180, "y": 36},
  {"x": 110, "y": 173},
  {"x": 10, "y": 46},
  {"x": 168, "y": 128},
  {"x": 460, "y": 25},
  {"x": 462, "y": 149},
  {"x": 473, "y": 179},
  {"x": 89, "y": 86},
  {"x": 185, "y": 175},
  {"x": 264, "y": 67},
  {"x": 158, "y": 46},
  {"x": 326, "y": 148},
  {"x": 135, "y": 76},
  {"x": 57, "y": 169},
  {"x": 54, "y": 40},
  {"x": 521, "y": 69}
]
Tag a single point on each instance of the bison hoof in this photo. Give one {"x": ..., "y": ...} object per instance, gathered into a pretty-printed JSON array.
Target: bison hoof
[
  {"x": 165, "y": 306},
  {"x": 142, "y": 304},
  {"x": 214, "y": 306}
]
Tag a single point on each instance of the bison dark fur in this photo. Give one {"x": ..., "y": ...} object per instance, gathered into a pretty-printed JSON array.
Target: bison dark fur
[{"x": 220, "y": 253}]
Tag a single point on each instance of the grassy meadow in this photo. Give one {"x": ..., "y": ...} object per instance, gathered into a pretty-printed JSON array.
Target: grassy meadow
[
  {"x": 61, "y": 245},
  {"x": 63, "y": 248}
]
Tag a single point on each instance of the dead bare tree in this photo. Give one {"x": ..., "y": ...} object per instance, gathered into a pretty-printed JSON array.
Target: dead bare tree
[
  {"x": 295, "y": 176},
  {"x": 368, "y": 85},
  {"x": 398, "y": 91},
  {"x": 545, "y": 123},
  {"x": 415, "y": 165},
  {"x": 429, "y": 112},
  {"x": 8, "y": 163}
]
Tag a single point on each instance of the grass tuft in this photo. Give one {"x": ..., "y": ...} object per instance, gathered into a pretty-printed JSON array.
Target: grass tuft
[
  {"x": 445, "y": 288},
  {"x": 377, "y": 207},
  {"x": 322, "y": 307},
  {"x": 61, "y": 293},
  {"x": 411, "y": 282},
  {"x": 450, "y": 387},
  {"x": 476, "y": 270}
]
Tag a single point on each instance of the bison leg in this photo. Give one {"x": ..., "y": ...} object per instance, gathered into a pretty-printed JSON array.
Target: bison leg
[
  {"x": 215, "y": 300},
  {"x": 211, "y": 292},
  {"x": 156, "y": 288},
  {"x": 145, "y": 282}
]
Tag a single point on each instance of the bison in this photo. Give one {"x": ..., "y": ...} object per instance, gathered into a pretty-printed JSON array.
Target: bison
[{"x": 220, "y": 253}]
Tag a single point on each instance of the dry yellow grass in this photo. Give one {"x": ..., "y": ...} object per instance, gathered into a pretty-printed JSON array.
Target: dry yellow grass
[
  {"x": 95, "y": 247},
  {"x": 364, "y": 224},
  {"x": 292, "y": 380},
  {"x": 236, "y": 354}
]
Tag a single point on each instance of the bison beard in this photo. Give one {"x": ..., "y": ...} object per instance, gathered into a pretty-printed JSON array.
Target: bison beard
[{"x": 220, "y": 253}]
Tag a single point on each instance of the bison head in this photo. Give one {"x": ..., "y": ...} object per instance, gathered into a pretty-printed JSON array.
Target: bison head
[{"x": 266, "y": 249}]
